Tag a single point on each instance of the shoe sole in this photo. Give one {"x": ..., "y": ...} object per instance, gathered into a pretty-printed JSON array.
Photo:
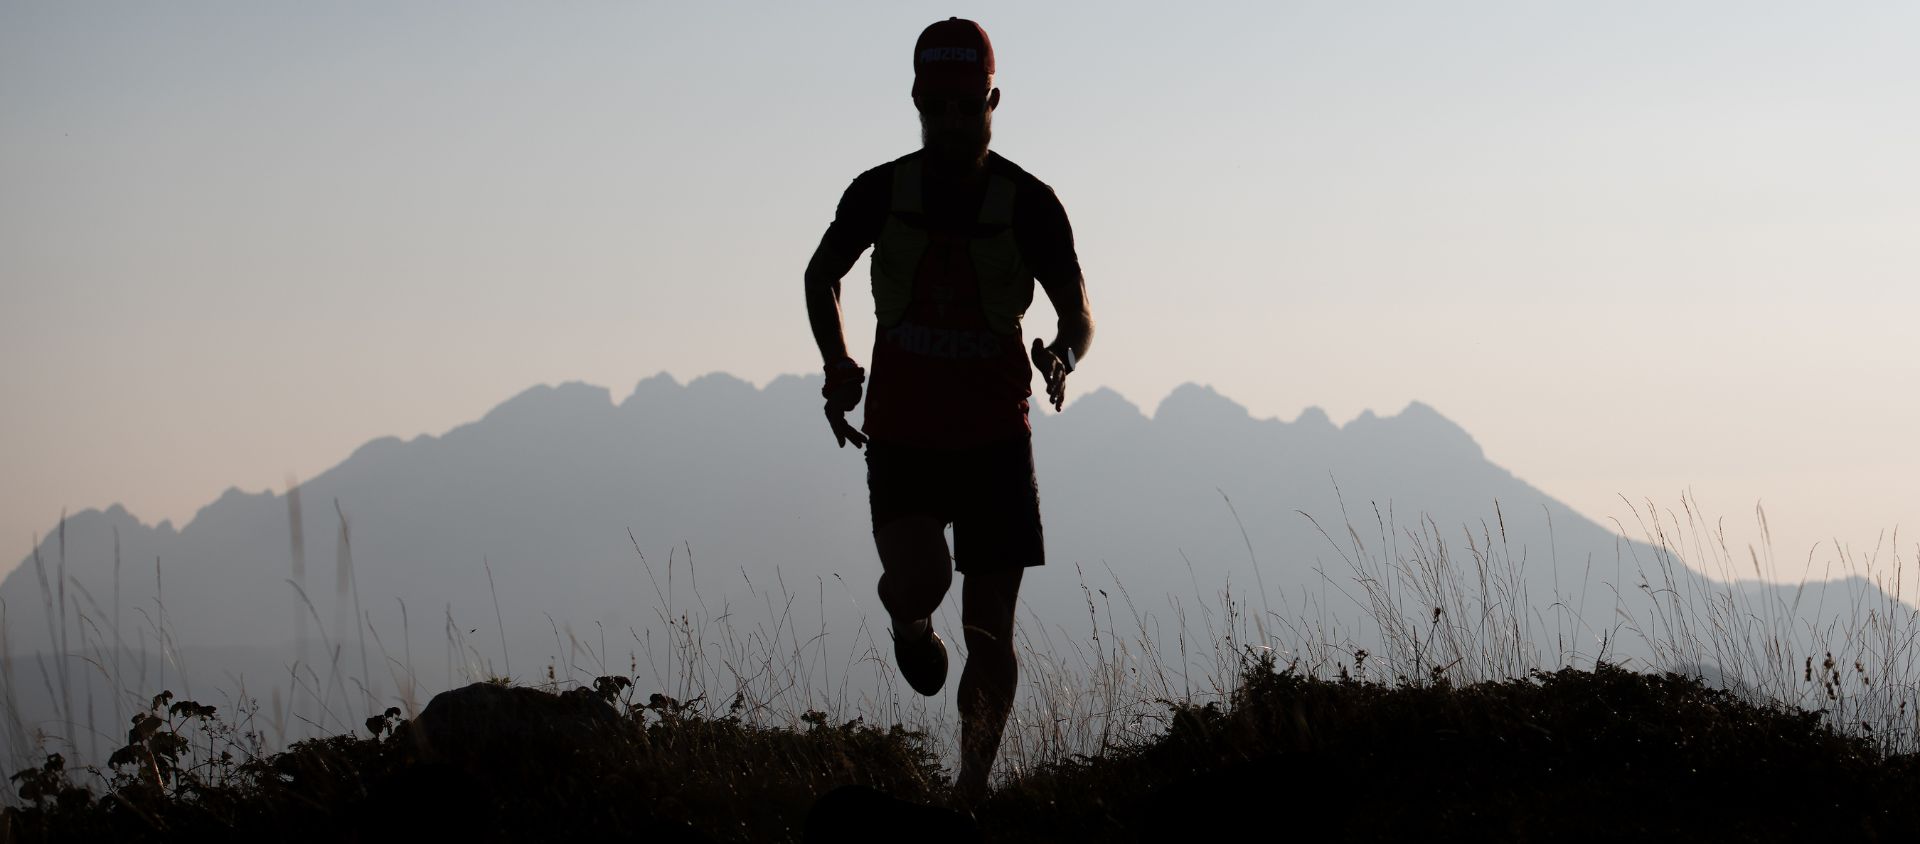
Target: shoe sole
[{"x": 902, "y": 661}]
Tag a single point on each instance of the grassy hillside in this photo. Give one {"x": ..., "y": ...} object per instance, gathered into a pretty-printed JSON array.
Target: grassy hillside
[
  {"x": 1569, "y": 754},
  {"x": 1459, "y": 725}
]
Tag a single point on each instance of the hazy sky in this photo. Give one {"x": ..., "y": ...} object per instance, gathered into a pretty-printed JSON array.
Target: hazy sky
[{"x": 1634, "y": 248}]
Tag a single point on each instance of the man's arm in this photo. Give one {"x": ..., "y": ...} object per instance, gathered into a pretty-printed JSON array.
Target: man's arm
[
  {"x": 1057, "y": 268},
  {"x": 855, "y": 225},
  {"x": 1074, "y": 330},
  {"x": 842, "y": 390},
  {"x": 824, "y": 273},
  {"x": 1072, "y": 335}
]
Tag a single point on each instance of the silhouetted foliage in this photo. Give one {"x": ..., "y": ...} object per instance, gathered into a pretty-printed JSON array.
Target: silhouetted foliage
[
  {"x": 1563, "y": 755},
  {"x": 663, "y": 772},
  {"x": 1559, "y": 755}
]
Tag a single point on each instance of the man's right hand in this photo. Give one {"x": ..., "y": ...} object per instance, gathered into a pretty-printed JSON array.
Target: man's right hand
[
  {"x": 843, "y": 431},
  {"x": 842, "y": 392}
]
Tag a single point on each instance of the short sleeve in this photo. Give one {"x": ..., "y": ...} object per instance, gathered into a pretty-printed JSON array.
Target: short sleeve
[
  {"x": 862, "y": 211},
  {"x": 1044, "y": 234}
]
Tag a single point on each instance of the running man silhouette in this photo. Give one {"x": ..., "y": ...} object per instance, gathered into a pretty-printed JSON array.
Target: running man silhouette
[{"x": 959, "y": 237}]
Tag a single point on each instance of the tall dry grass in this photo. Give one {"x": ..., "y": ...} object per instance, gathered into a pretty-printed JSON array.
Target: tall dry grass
[
  {"x": 1456, "y": 607},
  {"x": 1408, "y": 604}
]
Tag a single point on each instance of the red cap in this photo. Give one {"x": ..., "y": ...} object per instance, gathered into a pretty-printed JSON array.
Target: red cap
[{"x": 953, "y": 58}]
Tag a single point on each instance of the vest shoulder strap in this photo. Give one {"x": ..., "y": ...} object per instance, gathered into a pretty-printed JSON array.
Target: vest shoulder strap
[
  {"x": 906, "y": 187},
  {"x": 997, "y": 208}
]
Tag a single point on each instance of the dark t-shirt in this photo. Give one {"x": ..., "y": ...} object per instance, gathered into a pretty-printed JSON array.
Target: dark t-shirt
[
  {"x": 1039, "y": 220},
  {"x": 941, "y": 378}
]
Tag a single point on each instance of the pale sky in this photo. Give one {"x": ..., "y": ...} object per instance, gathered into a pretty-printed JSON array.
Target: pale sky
[{"x": 1632, "y": 247}]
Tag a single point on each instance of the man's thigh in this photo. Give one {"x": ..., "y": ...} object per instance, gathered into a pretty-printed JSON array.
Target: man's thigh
[
  {"x": 905, "y": 482},
  {"x": 996, "y": 521},
  {"x": 913, "y": 546}
]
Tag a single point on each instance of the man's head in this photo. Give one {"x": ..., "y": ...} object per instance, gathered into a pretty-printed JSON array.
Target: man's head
[{"x": 953, "y": 91}]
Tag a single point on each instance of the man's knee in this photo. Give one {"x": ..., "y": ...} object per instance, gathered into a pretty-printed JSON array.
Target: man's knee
[
  {"x": 982, "y": 639},
  {"x": 917, "y": 569},
  {"x": 987, "y": 609}
]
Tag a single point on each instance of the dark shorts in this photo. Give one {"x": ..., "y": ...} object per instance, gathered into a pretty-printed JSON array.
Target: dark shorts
[{"x": 988, "y": 493}]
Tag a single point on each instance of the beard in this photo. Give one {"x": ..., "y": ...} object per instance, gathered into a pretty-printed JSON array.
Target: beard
[{"x": 957, "y": 146}]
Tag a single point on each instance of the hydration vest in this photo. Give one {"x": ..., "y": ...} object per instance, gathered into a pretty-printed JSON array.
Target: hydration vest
[{"x": 1006, "y": 285}]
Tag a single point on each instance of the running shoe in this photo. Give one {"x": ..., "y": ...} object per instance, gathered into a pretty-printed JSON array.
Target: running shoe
[{"x": 922, "y": 661}]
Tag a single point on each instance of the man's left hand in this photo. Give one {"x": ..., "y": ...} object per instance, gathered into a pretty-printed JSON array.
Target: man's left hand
[{"x": 1054, "y": 370}]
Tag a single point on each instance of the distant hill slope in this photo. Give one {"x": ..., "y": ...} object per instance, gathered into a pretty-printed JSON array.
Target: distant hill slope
[{"x": 554, "y": 488}]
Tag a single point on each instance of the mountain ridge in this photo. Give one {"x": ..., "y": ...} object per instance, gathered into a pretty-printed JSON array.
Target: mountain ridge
[{"x": 579, "y": 395}]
